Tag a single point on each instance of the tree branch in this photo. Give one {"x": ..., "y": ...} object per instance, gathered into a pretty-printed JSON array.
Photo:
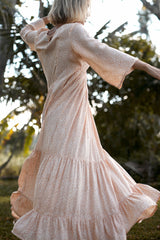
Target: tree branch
[
  {"x": 5, "y": 164},
  {"x": 155, "y": 8}
]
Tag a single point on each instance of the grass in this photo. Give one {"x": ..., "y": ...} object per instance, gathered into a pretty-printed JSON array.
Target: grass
[
  {"x": 149, "y": 229},
  {"x": 6, "y": 220}
]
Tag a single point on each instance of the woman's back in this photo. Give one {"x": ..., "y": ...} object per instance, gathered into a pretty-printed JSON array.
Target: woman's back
[{"x": 57, "y": 56}]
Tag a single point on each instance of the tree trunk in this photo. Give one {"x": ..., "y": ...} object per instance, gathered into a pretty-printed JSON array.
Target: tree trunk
[
  {"x": 6, "y": 163},
  {"x": 154, "y": 8},
  {"x": 6, "y": 51},
  {"x": 6, "y": 41}
]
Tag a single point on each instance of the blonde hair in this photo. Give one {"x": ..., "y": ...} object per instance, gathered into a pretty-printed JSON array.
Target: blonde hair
[{"x": 65, "y": 11}]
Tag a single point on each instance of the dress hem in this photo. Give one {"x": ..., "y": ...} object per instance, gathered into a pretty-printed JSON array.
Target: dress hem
[{"x": 67, "y": 224}]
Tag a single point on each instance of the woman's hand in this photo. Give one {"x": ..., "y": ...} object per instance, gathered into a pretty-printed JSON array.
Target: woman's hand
[
  {"x": 46, "y": 20},
  {"x": 153, "y": 71}
]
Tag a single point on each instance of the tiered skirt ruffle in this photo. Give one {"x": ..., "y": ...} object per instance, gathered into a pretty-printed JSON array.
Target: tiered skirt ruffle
[{"x": 80, "y": 200}]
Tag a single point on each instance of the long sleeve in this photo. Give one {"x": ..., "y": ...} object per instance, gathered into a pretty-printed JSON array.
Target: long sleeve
[
  {"x": 111, "y": 64},
  {"x": 30, "y": 32}
]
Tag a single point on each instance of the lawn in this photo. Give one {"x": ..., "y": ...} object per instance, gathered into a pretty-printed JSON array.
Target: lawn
[
  {"x": 149, "y": 229},
  {"x": 6, "y": 220}
]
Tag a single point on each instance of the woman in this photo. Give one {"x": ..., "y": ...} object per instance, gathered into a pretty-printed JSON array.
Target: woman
[{"x": 70, "y": 188}]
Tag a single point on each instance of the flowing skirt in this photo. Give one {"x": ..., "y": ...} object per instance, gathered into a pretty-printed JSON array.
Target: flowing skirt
[{"x": 70, "y": 188}]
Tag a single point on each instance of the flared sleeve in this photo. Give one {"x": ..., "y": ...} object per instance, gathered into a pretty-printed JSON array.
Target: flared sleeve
[
  {"x": 30, "y": 32},
  {"x": 111, "y": 64}
]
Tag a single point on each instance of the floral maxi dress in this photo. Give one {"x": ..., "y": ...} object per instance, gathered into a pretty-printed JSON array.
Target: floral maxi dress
[{"x": 70, "y": 188}]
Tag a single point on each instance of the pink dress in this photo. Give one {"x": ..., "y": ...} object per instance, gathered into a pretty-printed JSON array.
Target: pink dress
[{"x": 70, "y": 188}]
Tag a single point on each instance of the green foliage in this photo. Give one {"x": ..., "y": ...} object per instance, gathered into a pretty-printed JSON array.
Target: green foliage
[
  {"x": 30, "y": 91},
  {"x": 28, "y": 140},
  {"x": 10, "y": 138}
]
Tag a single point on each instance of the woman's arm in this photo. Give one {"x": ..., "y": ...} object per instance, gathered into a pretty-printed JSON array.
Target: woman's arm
[
  {"x": 112, "y": 65},
  {"x": 30, "y": 31},
  {"x": 153, "y": 71},
  {"x": 46, "y": 20}
]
